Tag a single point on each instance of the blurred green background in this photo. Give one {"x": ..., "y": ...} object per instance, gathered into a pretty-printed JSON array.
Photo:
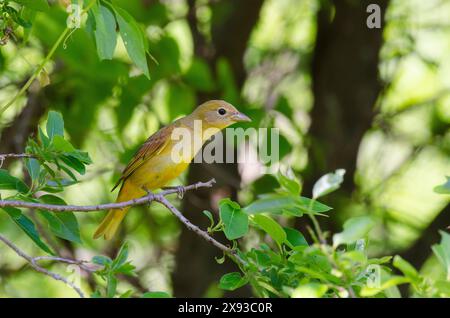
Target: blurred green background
[{"x": 375, "y": 102}]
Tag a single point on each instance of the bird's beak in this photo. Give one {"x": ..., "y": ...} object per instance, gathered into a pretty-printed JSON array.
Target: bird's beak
[{"x": 240, "y": 117}]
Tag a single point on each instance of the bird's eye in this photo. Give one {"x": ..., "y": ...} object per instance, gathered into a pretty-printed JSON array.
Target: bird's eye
[{"x": 222, "y": 111}]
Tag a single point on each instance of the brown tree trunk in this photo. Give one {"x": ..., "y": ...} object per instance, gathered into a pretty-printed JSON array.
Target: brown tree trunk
[
  {"x": 345, "y": 86},
  {"x": 196, "y": 268}
]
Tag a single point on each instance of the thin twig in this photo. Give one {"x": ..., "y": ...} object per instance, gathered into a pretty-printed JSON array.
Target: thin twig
[
  {"x": 161, "y": 199},
  {"x": 316, "y": 224},
  {"x": 90, "y": 208},
  {"x": 81, "y": 264},
  {"x": 15, "y": 155},
  {"x": 33, "y": 261},
  {"x": 319, "y": 232}
]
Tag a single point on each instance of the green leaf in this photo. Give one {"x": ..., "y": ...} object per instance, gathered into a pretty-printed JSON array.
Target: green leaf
[
  {"x": 272, "y": 203},
  {"x": 133, "y": 39},
  {"x": 232, "y": 281},
  {"x": 28, "y": 227},
  {"x": 442, "y": 252},
  {"x": 294, "y": 237},
  {"x": 43, "y": 138},
  {"x": 393, "y": 281},
  {"x": 62, "y": 145},
  {"x": 55, "y": 125},
  {"x": 382, "y": 260},
  {"x": 69, "y": 172},
  {"x": 8, "y": 182},
  {"x": 354, "y": 255},
  {"x": 209, "y": 216},
  {"x": 312, "y": 206},
  {"x": 62, "y": 224},
  {"x": 158, "y": 294},
  {"x": 54, "y": 187},
  {"x": 38, "y": 5},
  {"x": 127, "y": 294},
  {"x": 121, "y": 257},
  {"x": 33, "y": 168},
  {"x": 278, "y": 203},
  {"x": 262, "y": 258},
  {"x": 354, "y": 229},
  {"x": 105, "y": 31},
  {"x": 235, "y": 221},
  {"x": 406, "y": 268},
  {"x": 310, "y": 290},
  {"x": 289, "y": 182},
  {"x": 16, "y": 17},
  {"x": 127, "y": 269},
  {"x": 328, "y": 183},
  {"x": 443, "y": 288},
  {"x": 271, "y": 227},
  {"x": 81, "y": 156},
  {"x": 74, "y": 164},
  {"x": 101, "y": 260},
  {"x": 318, "y": 273},
  {"x": 443, "y": 188},
  {"x": 96, "y": 294}
]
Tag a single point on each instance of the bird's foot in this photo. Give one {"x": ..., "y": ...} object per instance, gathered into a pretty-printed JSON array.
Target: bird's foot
[
  {"x": 148, "y": 193},
  {"x": 180, "y": 190}
]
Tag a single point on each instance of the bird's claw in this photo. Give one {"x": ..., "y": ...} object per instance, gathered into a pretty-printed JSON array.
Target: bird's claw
[
  {"x": 148, "y": 193},
  {"x": 180, "y": 192}
]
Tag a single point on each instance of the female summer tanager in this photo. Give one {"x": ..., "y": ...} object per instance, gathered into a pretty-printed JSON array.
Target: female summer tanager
[{"x": 156, "y": 163}]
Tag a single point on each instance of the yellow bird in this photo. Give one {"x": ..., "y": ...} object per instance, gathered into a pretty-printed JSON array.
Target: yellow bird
[{"x": 156, "y": 163}]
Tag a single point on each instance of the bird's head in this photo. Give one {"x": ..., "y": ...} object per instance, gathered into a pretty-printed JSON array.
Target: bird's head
[{"x": 219, "y": 114}]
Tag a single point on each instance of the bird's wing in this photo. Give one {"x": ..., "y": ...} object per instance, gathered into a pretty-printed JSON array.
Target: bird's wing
[{"x": 153, "y": 146}]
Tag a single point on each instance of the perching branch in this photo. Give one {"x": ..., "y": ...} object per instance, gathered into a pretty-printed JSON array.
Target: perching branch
[
  {"x": 33, "y": 261},
  {"x": 158, "y": 197},
  {"x": 13, "y": 155},
  {"x": 90, "y": 208}
]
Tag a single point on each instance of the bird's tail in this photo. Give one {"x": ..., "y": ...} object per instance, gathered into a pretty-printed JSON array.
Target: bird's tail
[{"x": 111, "y": 222}]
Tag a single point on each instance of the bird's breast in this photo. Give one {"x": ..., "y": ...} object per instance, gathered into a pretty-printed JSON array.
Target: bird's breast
[{"x": 159, "y": 170}]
